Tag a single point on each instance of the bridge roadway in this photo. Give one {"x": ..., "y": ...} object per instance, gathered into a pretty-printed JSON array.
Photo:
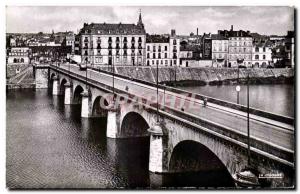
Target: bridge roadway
[{"x": 279, "y": 135}]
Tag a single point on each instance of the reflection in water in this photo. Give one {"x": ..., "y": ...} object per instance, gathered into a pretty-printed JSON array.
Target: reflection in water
[
  {"x": 263, "y": 97},
  {"x": 50, "y": 146}
]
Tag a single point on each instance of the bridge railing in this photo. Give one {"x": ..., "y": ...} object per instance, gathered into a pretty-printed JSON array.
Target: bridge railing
[
  {"x": 259, "y": 146},
  {"x": 239, "y": 107}
]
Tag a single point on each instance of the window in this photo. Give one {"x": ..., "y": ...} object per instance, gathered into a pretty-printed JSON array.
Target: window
[
  {"x": 159, "y": 48},
  {"x": 166, "y": 48},
  {"x": 161, "y": 62},
  {"x": 148, "y": 55},
  {"x": 140, "y": 39},
  {"x": 166, "y": 62},
  {"x": 154, "y": 49},
  {"x": 256, "y": 56},
  {"x": 125, "y": 52},
  {"x": 166, "y": 55},
  {"x": 174, "y": 42},
  {"x": 118, "y": 59},
  {"x": 99, "y": 52},
  {"x": 152, "y": 62},
  {"x": 174, "y": 62},
  {"x": 256, "y": 49},
  {"x": 117, "y": 39},
  {"x": 244, "y": 50},
  {"x": 159, "y": 55},
  {"x": 264, "y": 56},
  {"x": 264, "y": 49},
  {"x": 99, "y": 59},
  {"x": 148, "y": 48},
  {"x": 153, "y": 55},
  {"x": 157, "y": 62}
]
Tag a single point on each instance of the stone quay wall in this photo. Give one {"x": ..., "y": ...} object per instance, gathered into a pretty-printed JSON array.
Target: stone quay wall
[{"x": 203, "y": 76}]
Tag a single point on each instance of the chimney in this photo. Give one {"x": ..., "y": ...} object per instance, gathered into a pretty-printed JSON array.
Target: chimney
[
  {"x": 231, "y": 28},
  {"x": 197, "y": 31},
  {"x": 173, "y": 33}
]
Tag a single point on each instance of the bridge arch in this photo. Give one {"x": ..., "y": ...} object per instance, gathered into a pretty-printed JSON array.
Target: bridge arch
[
  {"x": 99, "y": 108},
  {"x": 62, "y": 85},
  {"x": 50, "y": 81},
  {"x": 193, "y": 157},
  {"x": 53, "y": 74},
  {"x": 77, "y": 94},
  {"x": 134, "y": 125}
]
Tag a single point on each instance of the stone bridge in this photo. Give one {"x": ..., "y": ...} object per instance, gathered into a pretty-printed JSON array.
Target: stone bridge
[{"x": 179, "y": 141}]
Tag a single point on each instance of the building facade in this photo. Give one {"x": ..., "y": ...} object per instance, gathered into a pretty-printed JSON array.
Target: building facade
[
  {"x": 219, "y": 50},
  {"x": 112, "y": 44},
  {"x": 162, "y": 50},
  {"x": 261, "y": 55},
  {"x": 239, "y": 47},
  {"x": 18, "y": 55},
  {"x": 290, "y": 49}
]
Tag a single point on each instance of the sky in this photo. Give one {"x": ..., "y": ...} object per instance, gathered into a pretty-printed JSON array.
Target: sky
[{"x": 157, "y": 19}]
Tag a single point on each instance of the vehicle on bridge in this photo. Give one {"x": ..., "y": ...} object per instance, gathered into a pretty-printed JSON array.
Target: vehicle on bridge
[{"x": 82, "y": 66}]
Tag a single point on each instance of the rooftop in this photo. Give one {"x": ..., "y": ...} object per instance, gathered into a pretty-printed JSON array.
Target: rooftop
[
  {"x": 157, "y": 39},
  {"x": 106, "y": 28}
]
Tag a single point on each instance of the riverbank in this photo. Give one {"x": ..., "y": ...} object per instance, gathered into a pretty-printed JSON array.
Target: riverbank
[
  {"x": 190, "y": 76},
  {"x": 20, "y": 77}
]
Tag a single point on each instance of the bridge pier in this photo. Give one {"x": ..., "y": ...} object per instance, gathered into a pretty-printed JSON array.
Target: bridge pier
[
  {"x": 85, "y": 107},
  {"x": 113, "y": 121},
  {"x": 68, "y": 94},
  {"x": 158, "y": 160},
  {"x": 55, "y": 87}
]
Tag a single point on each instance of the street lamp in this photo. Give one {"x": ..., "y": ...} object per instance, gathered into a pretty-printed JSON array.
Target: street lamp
[
  {"x": 248, "y": 120},
  {"x": 238, "y": 88},
  {"x": 136, "y": 69},
  {"x": 157, "y": 118}
]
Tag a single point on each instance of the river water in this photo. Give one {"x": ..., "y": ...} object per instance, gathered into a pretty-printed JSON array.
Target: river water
[
  {"x": 48, "y": 145},
  {"x": 278, "y": 98}
]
